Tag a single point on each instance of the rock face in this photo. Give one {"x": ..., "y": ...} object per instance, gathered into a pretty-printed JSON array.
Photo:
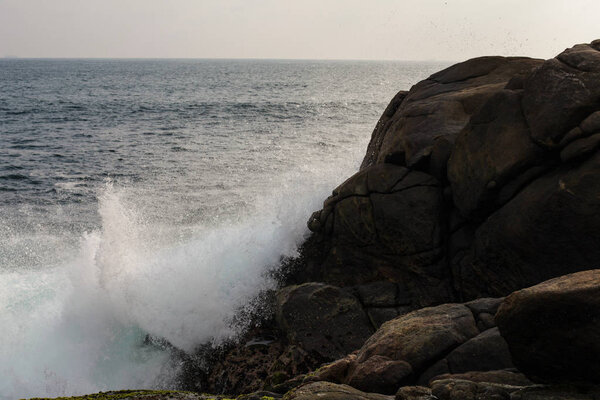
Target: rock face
[
  {"x": 553, "y": 329},
  {"x": 323, "y": 320},
  {"x": 421, "y": 345},
  {"x": 436, "y": 110},
  {"x": 383, "y": 217},
  {"x": 480, "y": 180}
]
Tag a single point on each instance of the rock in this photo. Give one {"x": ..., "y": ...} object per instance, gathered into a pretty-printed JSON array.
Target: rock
[
  {"x": 148, "y": 395},
  {"x": 421, "y": 337},
  {"x": 553, "y": 329},
  {"x": 485, "y": 352},
  {"x": 414, "y": 393},
  {"x": 504, "y": 377},
  {"x": 335, "y": 372},
  {"x": 380, "y": 294},
  {"x": 287, "y": 385},
  {"x": 323, "y": 320},
  {"x": 331, "y": 391},
  {"x": 494, "y": 147},
  {"x": 386, "y": 226},
  {"x": 580, "y": 147},
  {"x": 456, "y": 389},
  {"x": 550, "y": 228},
  {"x": 562, "y": 92},
  {"x": 591, "y": 124},
  {"x": 380, "y": 315},
  {"x": 487, "y": 305},
  {"x": 485, "y": 321},
  {"x": 555, "y": 392},
  {"x": 379, "y": 374},
  {"x": 438, "y": 108},
  {"x": 262, "y": 395}
]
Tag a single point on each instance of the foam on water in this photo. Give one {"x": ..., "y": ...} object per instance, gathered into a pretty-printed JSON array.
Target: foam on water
[
  {"x": 79, "y": 326},
  {"x": 217, "y": 165}
]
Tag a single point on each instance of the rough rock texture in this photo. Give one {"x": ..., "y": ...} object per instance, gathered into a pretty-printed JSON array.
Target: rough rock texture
[
  {"x": 456, "y": 389},
  {"x": 553, "y": 329},
  {"x": 414, "y": 393},
  {"x": 481, "y": 180},
  {"x": 421, "y": 336},
  {"x": 528, "y": 164},
  {"x": 379, "y": 374},
  {"x": 505, "y": 377},
  {"x": 437, "y": 108},
  {"x": 557, "y": 393},
  {"x": 487, "y": 351},
  {"x": 331, "y": 391},
  {"x": 384, "y": 223},
  {"x": 419, "y": 346},
  {"x": 324, "y": 320}
]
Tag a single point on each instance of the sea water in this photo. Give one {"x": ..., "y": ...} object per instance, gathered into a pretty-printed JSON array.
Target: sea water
[{"x": 153, "y": 197}]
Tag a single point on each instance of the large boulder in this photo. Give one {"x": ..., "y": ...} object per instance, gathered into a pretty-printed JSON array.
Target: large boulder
[
  {"x": 553, "y": 329},
  {"x": 384, "y": 223},
  {"x": 325, "y": 321},
  {"x": 523, "y": 172},
  {"x": 551, "y": 228},
  {"x": 421, "y": 336},
  {"x": 435, "y": 110},
  {"x": 403, "y": 348},
  {"x": 485, "y": 352}
]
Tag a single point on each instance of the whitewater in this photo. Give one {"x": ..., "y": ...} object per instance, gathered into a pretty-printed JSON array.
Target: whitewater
[{"x": 155, "y": 197}]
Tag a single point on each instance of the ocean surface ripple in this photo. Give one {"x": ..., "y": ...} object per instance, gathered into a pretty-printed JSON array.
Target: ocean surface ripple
[{"x": 154, "y": 196}]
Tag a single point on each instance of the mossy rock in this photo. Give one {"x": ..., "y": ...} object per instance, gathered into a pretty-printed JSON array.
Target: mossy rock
[{"x": 142, "y": 394}]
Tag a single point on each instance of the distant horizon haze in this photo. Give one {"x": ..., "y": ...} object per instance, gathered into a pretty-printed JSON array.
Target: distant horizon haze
[{"x": 386, "y": 30}]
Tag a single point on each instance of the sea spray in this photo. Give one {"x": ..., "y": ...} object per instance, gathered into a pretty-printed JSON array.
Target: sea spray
[
  {"x": 216, "y": 167},
  {"x": 80, "y": 327}
]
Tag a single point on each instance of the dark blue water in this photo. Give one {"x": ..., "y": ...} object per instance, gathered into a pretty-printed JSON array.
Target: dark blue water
[{"x": 151, "y": 196}]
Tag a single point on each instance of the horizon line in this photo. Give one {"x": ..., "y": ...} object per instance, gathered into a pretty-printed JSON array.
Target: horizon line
[{"x": 11, "y": 57}]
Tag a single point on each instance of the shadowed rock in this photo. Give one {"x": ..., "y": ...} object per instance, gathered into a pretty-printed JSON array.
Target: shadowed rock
[
  {"x": 553, "y": 329},
  {"x": 323, "y": 320}
]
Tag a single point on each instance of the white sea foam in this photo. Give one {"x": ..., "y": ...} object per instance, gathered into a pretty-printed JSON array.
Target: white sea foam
[{"x": 78, "y": 327}]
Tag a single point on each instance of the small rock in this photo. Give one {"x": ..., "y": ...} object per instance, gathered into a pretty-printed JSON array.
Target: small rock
[
  {"x": 380, "y": 374},
  {"x": 331, "y": 391}
]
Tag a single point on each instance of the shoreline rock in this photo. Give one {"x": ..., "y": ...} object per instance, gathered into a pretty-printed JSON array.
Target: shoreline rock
[{"x": 480, "y": 182}]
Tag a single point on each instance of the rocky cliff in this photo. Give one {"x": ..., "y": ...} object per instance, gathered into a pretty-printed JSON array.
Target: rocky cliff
[{"x": 482, "y": 181}]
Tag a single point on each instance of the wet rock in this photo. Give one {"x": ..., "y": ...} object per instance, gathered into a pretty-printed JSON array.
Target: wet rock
[
  {"x": 323, "y": 320},
  {"x": 487, "y": 351},
  {"x": 422, "y": 336},
  {"x": 553, "y": 329},
  {"x": 556, "y": 392},
  {"x": 414, "y": 393},
  {"x": 580, "y": 147},
  {"x": 551, "y": 228},
  {"x": 456, "y": 389},
  {"x": 504, "y": 377},
  {"x": 379, "y": 374},
  {"x": 386, "y": 226},
  {"x": 379, "y": 294}
]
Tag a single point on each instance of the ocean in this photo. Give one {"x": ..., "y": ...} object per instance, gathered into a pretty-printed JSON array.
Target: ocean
[{"x": 153, "y": 197}]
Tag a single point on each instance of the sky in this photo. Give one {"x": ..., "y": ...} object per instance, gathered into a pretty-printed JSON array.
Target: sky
[{"x": 416, "y": 30}]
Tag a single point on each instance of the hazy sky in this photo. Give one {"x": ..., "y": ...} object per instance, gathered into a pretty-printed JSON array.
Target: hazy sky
[{"x": 321, "y": 29}]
